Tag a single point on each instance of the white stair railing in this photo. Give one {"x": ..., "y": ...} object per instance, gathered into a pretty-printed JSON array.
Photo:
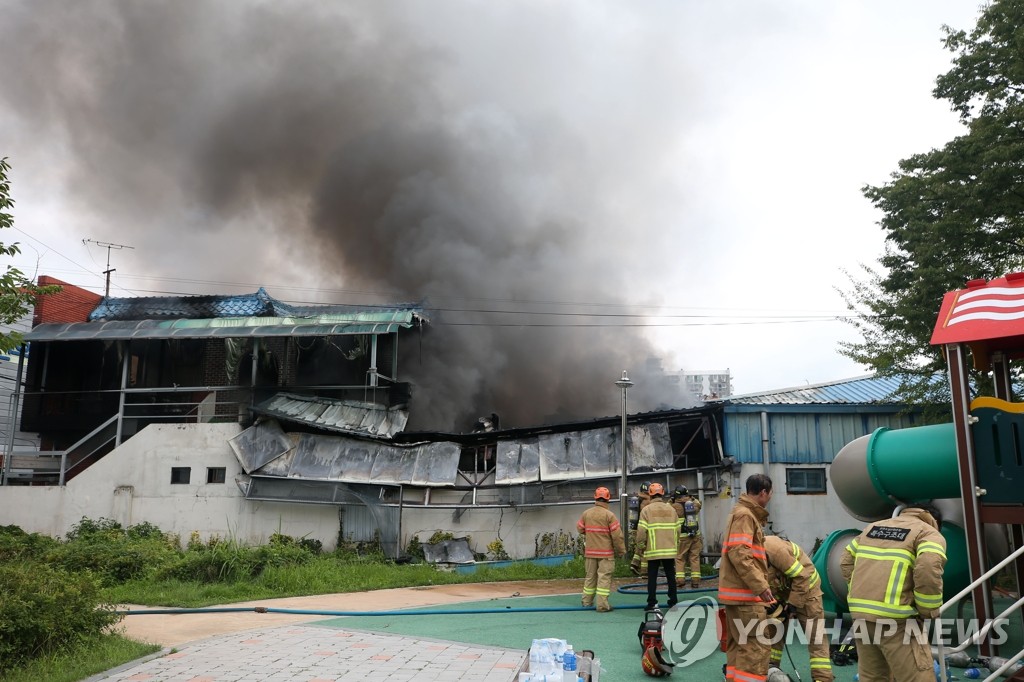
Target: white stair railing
[{"x": 941, "y": 652}]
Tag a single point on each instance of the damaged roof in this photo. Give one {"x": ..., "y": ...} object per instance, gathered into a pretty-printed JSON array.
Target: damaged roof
[
  {"x": 259, "y": 304},
  {"x": 258, "y": 314},
  {"x": 348, "y": 416}
]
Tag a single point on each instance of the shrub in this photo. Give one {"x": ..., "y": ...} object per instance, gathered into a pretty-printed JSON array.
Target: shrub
[
  {"x": 228, "y": 561},
  {"x": 17, "y": 545},
  {"x": 496, "y": 550},
  {"x": 87, "y": 528},
  {"x": 44, "y": 611},
  {"x": 415, "y": 548},
  {"x": 112, "y": 557},
  {"x": 311, "y": 545}
]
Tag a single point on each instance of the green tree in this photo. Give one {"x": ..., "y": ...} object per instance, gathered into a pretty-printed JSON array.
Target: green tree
[
  {"x": 17, "y": 293},
  {"x": 952, "y": 214}
]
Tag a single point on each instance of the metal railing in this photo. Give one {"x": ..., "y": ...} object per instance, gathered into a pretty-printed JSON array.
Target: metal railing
[
  {"x": 983, "y": 632},
  {"x": 139, "y": 408}
]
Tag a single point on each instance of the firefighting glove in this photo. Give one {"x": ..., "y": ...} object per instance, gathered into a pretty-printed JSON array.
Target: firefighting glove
[
  {"x": 788, "y": 612},
  {"x": 774, "y": 609},
  {"x": 634, "y": 565}
]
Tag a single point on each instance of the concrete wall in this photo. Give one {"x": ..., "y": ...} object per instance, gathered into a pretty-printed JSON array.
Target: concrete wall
[
  {"x": 133, "y": 484},
  {"x": 801, "y": 518}
]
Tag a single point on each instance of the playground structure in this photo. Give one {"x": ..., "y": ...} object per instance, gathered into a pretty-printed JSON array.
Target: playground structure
[{"x": 972, "y": 469}]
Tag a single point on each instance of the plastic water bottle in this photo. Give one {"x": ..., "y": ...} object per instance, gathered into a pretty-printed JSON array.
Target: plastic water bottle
[
  {"x": 569, "y": 659},
  {"x": 972, "y": 674},
  {"x": 856, "y": 677}
]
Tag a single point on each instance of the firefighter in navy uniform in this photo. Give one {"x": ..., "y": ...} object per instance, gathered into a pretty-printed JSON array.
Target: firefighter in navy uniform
[
  {"x": 603, "y": 541},
  {"x": 690, "y": 540},
  {"x": 795, "y": 582},
  {"x": 894, "y": 573}
]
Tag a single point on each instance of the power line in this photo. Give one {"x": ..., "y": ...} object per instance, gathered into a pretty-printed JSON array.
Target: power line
[{"x": 719, "y": 316}]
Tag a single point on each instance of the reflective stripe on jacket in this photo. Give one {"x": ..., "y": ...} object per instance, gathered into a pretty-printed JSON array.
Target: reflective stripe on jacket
[
  {"x": 894, "y": 568},
  {"x": 791, "y": 574},
  {"x": 743, "y": 574},
  {"x": 657, "y": 535},
  {"x": 602, "y": 532}
]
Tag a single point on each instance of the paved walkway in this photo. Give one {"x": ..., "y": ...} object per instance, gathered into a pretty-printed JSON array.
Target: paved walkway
[
  {"x": 309, "y": 653},
  {"x": 275, "y": 647}
]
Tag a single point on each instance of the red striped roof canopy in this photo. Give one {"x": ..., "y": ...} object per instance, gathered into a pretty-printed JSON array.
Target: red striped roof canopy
[{"x": 987, "y": 316}]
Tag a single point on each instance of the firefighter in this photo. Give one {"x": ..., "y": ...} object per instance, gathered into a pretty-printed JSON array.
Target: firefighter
[
  {"x": 795, "y": 582},
  {"x": 639, "y": 565},
  {"x": 603, "y": 541},
  {"x": 893, "y": 570},
  {"x": 657, "y": 541},
  {"x": 743, "y": 583},
  {"x": 690, "y": 540}
]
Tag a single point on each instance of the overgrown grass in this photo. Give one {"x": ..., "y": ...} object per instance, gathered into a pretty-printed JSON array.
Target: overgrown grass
[
  {"x": 90, "y": 658},
  {"x": 326, "y": 575},
  {"x": 101, "y": 564}
]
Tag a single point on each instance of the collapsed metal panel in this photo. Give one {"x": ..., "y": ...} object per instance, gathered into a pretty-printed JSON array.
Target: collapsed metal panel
[
  {"x": 650, "y": 447},
  {"x": 338, "y": 458},
  {"x": 391, "y": 464},
  {"x": 561, "y": 456},
  {"x": 517, "y": 461},
  {"x": 594, "y": 453},
  {"x": 601, "y": 455},
  {"x": 436, "y": 463},
  {"x": 259, "y": 444},
  {"x": 353, "y": 460},
  {"x": 336, "y": 415},
  {"x": 314, "y": 457},
  {"x": 455, "y": 551}
]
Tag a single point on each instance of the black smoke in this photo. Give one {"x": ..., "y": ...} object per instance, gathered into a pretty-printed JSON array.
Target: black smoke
[{"x": 490, "y": 159}]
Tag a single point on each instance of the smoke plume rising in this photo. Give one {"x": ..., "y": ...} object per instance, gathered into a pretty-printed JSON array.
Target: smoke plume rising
[{"x": 503, "y": 162}]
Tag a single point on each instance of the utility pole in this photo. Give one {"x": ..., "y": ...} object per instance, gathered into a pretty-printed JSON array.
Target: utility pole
[{"x": 109, "y": 269}]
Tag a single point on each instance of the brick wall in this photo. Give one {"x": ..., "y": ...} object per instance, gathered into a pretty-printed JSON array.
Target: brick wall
[
  {"x": 214, "y": 361},
  {"x": 70, "y": 304}
]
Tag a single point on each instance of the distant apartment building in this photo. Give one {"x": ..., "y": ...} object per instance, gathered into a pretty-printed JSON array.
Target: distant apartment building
[{"x": 704, "y": 384}]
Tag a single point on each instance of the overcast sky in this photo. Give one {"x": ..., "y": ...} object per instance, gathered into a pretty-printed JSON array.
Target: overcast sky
[{"x": 681, "y": 177}]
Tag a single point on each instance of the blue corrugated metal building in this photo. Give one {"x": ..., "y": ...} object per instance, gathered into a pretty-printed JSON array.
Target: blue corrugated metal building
[
  {"x": 809, "y": 424},
  {"x": 793, "y": 435}
]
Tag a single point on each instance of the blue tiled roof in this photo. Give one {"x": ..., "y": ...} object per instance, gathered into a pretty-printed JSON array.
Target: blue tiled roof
[{"x": 259, "y": 304}]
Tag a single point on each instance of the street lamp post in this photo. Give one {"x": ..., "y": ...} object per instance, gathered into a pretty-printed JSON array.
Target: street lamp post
[{"x": 624, "y": 383}]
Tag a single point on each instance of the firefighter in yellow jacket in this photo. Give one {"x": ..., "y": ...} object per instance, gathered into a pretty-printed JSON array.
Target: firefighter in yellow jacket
[
  {"x": 743, "y": 583},
  {"x": 690, "y": 540},
  {"x": 603, "y": 541},
  {"x": 894, "y": 572},
  {"x": 657, "y": 541},
  {"x": 639, "y": 565},
  {"x": 795, "y": 582}
]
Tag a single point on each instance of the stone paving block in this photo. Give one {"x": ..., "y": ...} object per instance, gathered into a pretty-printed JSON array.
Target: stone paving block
[{"x": 314, "y": 654}]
